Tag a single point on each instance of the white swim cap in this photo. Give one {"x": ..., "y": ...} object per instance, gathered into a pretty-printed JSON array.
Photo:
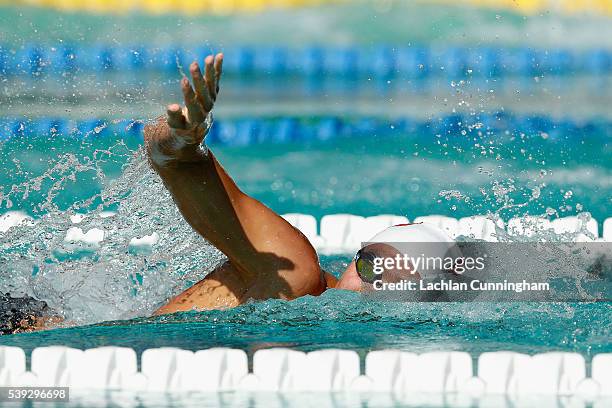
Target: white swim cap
[
  {"x": 417, "y": 240},
  {"x": 418, "y": 232}
]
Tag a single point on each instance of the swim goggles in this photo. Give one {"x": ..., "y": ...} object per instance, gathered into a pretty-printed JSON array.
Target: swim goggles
[{"x": 364, "y": 263}]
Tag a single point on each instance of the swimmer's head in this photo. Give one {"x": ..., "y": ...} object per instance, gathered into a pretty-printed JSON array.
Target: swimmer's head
[
  {"x": 375, "y": 261},
  {"x": 23, "y": 314}
]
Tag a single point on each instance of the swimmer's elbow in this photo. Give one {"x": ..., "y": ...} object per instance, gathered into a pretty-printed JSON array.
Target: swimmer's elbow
[{"x": 312, "y": 282}]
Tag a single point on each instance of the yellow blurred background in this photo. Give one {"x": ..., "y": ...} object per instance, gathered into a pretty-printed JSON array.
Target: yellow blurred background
[{"x": 230, "y": 6}]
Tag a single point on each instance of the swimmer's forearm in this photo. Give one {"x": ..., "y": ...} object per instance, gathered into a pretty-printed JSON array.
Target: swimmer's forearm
[
  {"x": 275, "y": 259},
  {"x": 210, "y": 202},
  {"x": 255, "y": 239},
  {"x": 207, "y": 197}
]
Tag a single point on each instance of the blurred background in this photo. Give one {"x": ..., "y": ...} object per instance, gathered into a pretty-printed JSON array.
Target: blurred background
[
  {"x": 364, "y": 106},
  {"x": 404, "y": 54}
]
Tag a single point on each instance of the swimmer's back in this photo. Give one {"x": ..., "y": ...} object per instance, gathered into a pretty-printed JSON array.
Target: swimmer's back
[{"x": 224, "y": 288}]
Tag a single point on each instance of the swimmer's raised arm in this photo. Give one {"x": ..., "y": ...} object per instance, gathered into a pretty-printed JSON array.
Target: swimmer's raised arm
[{"x": 268, "y": 258}]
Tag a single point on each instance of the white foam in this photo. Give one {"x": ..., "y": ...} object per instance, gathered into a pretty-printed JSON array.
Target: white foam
[
  {"x": 12, "y": 219},
  {"x": 92, "y": 237},
  {"x": 145, "y": 241},
  {"x": 528, "y": 226},
  {"x": 77, "y": 218},
  {"x": 577, "y": 225}
]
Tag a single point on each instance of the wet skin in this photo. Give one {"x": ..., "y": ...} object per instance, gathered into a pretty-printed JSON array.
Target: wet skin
[{"x": 267, "y": 257}]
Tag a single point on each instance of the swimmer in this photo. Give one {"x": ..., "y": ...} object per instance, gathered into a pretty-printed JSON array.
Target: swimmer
[
  {"x": 267, "y": 258},
  {"x": 24, "y": 314}
]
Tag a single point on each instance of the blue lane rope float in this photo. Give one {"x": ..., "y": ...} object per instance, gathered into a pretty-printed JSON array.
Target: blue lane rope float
[
  {"x": 248, "y": 131},
  {"x": 380, "y": 61}
]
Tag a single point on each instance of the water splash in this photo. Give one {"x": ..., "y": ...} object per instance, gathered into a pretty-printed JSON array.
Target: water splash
[
  {"x": 109, "y": 280},
  {"x": 112, "y": 280}
]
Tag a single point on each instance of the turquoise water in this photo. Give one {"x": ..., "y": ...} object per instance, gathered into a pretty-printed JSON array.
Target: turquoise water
[
  {"x": 404, "y": 175},
  {"x": 410, "y": 174},
  {"x": 339, "y": 319},
  {"x": 108, "y": 292}
]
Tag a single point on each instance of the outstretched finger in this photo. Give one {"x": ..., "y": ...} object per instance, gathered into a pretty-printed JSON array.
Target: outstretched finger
[
  {"x": 218, "y": 70},
  {"x": 201, "y": 90},
  {"x": 194, "y": 111},
  {"x": 209, "y": 75},
  {"x": 176, "y": 119}
]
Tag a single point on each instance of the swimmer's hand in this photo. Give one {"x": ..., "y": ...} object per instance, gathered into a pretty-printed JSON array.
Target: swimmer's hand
[{"x": 178, "y": 138}]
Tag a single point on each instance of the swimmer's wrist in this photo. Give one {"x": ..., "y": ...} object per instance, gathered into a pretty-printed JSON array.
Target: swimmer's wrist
[
  {"x": 194, "y": 146},
  {"x": 169, "y": 147}
]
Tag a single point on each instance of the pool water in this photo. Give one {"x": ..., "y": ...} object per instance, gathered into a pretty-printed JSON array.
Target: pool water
[
  {"x": 408, "y": 174},
  {"x": 340, "y": 319},
  {"x": 108, "y": 292},
  {"x": 411, "y": 173}
]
